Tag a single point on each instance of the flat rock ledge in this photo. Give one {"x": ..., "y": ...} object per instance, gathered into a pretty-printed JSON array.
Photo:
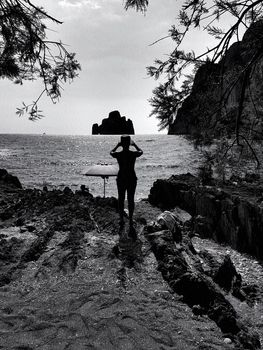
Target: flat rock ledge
[{"x": 229, "y": 213}]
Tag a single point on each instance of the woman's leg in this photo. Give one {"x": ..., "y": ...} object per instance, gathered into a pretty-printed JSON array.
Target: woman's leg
[
  {"x": 121, "y": 198},
  {"x": 130, "y": 194}
]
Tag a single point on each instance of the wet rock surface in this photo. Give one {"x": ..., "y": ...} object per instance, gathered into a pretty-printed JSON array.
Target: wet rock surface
[{"x": 71, "y": 279}]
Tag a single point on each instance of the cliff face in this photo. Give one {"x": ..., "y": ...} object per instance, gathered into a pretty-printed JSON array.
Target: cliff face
[
  {"x": 203, "y": 110},
  {"x": 229, "y": 214},
  {"x": 115, "y": 124}
]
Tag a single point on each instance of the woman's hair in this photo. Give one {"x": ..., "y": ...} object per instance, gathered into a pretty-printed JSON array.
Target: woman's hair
[{"x": 125, "y": 140}]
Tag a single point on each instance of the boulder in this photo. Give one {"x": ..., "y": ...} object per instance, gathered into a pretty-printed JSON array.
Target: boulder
[{"x": 9, "y": 179}]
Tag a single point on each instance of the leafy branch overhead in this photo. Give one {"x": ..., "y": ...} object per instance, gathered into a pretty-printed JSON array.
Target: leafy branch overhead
[
  {"x": 207, "y": 16},
  {"x": 167, "y": 100},
  {"x": 226, "y": 22},
  {"x": 27, "y": 54}
]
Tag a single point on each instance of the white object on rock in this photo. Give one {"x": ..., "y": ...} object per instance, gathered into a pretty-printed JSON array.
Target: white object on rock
[
  {"x": 227, "y": 341},
  {"x": 167, "y": 219}
]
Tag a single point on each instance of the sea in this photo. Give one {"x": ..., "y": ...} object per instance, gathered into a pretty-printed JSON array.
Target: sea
[{"x": 57, "y": 161}]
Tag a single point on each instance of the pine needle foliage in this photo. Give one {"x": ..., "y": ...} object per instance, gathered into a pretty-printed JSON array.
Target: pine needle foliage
[
  {"x": 166, "y": 101},
  {"x": 139, "y": 5},
  {"x": 204, "y": 15},
  {"x": 27, "y": 54}
]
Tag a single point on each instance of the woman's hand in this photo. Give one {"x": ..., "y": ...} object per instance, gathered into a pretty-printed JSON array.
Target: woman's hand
[
  {"x": 115, "y": 148},
  {"x": 136, "y": 147}
]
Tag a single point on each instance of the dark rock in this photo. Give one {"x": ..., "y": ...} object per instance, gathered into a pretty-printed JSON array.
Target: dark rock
[
  {"x": 225, "y": 215},
  {"x": 115, "y": 253},
  {"x": 20, "y": 221},
  {"x": 67, "y": 191},
  {"x": 200, "y": 115},
  {"x": 198, "y": 290},
  {"x": 7, "y": 214},
  {"x": 4, "y": 279},
  {"x": 114, "y": 125},
  {"x": 84, "y": 191},
  {"x": 30, "y": 228},
  {"x": 9, "y": 179},
  {"x": 176, "y": 191},
  {"x": 83, "y": 188},
  {"x": 251, "y": 177},
  {"x": 3, "y": 173},
  {"x": 198, "y": 310},
  {"x": 225, "y": 274}
]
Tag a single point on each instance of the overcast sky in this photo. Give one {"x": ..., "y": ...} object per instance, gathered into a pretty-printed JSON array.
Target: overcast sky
[{"x": 113, "y": 48}]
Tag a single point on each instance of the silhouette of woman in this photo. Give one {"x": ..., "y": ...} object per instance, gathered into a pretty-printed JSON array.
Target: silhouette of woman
[{"x": 126, "y": 179}]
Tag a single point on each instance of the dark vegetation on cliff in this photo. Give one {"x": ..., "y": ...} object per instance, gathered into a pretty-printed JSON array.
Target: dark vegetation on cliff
[{"x": 218, "y": 94}]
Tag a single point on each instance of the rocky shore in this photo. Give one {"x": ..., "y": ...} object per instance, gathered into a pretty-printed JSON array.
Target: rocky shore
[
  {"x": 229, "y": 212},
  {"x": 70, "y": 279}
]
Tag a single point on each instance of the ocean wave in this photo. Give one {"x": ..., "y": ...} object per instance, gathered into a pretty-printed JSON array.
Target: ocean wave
[
  {"x": 149, "y": 140},
  {"x": 164, "y": 166},
  {"x": 5, "y": 152}
]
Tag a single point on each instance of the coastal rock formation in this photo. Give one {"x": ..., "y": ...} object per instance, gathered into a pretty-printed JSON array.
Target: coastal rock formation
[
  {"x": 202, "y": 111},
  {"x": 187, "y": 274},
  {"x": 9, "y": 179},
  {"x": 115, "y": 124},
  {"x": 71, "y": 279},
  {"x": 231, "y": 214}
]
